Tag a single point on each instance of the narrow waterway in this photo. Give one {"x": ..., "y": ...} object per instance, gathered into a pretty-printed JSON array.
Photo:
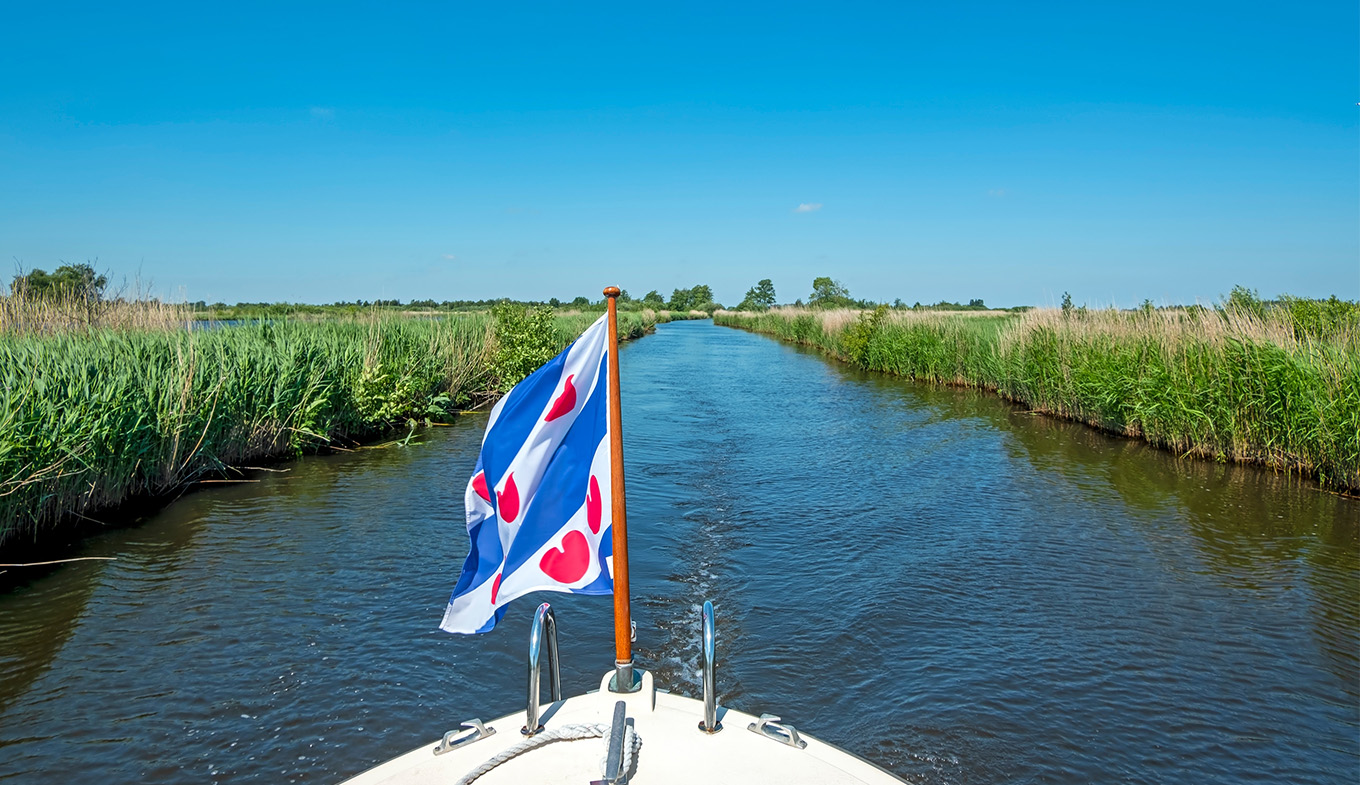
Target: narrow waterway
[{"x": 938, "y": 581}]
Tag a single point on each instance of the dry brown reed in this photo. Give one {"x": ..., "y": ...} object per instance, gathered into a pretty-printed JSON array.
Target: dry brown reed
[{"x": 25, "y": 313}]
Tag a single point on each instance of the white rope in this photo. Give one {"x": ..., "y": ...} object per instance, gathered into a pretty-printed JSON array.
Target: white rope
[{"x": 631, "y": 744}]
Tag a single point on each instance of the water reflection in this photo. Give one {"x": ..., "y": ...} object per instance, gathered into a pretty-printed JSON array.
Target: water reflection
[
  {"x": 1253, "y": 530},
  {"x": 59, "y": 596}
]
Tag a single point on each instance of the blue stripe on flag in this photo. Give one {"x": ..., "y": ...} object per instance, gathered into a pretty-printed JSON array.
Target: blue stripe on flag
[
  {"x": 569, "y": 467},
  {"x": 523, "y": 406},
  {"x": 484, "y": 556},
  {"x": 556, "y": 492},
  {"x": 604, "y": 582}
]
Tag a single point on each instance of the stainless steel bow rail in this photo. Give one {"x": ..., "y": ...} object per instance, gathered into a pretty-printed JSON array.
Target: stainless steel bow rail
[
  {"x": 545, "y": 626},
  {"x": 710, "y": 723},
  {"x": 622, "y": 744},
  {"x": 768, "y": 725}
]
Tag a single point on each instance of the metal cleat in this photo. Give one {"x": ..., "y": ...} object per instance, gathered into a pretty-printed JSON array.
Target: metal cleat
[
  {"x": 770, "y": 727},
  {"x": 474, "y": 731}
]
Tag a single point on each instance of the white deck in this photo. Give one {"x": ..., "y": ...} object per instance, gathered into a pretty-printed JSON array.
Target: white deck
[{"x": 673, "y": 749}]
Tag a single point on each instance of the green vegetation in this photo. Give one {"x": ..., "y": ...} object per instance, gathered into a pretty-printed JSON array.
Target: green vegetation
[
  {"x": 526, "y": 338},
  {"x": 759, "y": 297},
  {"x": 1270, "y": 383},
  {"x": 827, "y": 293},
  {"x": 70, "y": 281},
  {"x": 133, "y": 403},
  {"x": 697, "y": 298}
]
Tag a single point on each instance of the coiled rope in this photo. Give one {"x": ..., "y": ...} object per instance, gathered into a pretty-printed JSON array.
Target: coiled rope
[{"x": 631, "y": 744}]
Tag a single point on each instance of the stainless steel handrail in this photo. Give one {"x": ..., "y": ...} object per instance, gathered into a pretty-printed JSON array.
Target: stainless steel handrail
[
  {"x": 710, "y": 723},
  {"x": 545, "y": 625}
]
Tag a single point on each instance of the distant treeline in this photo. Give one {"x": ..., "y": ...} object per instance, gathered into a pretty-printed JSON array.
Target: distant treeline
[
  {"x": 82, "y": 282},
  {"x": 697, "y": 299}
]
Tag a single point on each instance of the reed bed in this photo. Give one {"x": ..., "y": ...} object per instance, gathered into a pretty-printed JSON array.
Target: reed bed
[
  {"x": 1220, "y": 384},
  {"x": 24, "y": 313},
  {"x": 94, "y": 414}
]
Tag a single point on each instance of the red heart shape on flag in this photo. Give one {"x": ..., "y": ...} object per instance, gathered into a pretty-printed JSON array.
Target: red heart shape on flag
[
  {"x": 568, "y": 564},
  {"x": 593, "y": 505},
  {"x": 479, "y": 486},
  {"x": 507, "y": 501},
  {"x": 564, "y": 403}
]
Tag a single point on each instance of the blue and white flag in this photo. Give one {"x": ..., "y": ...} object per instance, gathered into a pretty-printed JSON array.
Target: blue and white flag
[{"x": 538, "y": 503}]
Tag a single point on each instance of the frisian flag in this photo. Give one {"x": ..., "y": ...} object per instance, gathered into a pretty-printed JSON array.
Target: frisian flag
[{"x": 538, "y": 503}]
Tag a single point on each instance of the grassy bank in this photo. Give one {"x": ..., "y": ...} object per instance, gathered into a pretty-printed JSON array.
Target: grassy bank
[
  {"x": 97, "y": 412},
  {"x": 1276, "y": 386}
]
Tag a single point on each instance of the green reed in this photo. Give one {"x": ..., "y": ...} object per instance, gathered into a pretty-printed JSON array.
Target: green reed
[
  {"x": 92, "y": 417},
  {"x": 1223, "y": 385}
]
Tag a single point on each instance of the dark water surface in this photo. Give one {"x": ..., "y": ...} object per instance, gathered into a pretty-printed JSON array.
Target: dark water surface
[{"x": 931, "y": 578}]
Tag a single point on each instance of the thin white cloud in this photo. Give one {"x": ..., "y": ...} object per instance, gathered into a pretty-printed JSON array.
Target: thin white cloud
[
  {"x": 808, "y": 207},
  {"x": 323, "y": 112},
  {"x": 450, "y": 256}
]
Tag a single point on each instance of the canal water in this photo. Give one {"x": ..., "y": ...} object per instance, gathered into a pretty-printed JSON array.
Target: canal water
[{"x": 938, "y": 581}]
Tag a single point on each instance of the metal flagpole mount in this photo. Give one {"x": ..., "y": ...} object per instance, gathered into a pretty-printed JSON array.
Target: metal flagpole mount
[
  {"x": 625, "y": 679},
  {"x": 625, "y": 674}
]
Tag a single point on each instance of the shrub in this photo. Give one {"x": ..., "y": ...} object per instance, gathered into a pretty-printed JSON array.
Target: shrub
[{"x": 525, "y": 339}]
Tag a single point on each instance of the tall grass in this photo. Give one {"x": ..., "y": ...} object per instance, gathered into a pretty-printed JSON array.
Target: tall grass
[
  {"x": 23, "y": 312},
  {"x": 92, "y": 415},
  {"x": 1226, "y": 385}
]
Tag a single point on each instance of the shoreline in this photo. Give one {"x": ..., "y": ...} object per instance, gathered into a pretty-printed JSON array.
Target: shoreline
[
  {"x": 106, "y": 425},
  {"x": 990, "y": 353}
]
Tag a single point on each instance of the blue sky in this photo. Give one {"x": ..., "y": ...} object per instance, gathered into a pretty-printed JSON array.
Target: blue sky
[{"x": 317, "y": 152}]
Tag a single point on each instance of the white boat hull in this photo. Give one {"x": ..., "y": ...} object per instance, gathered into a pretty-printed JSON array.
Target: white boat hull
[{"x": 673, "y": 749}]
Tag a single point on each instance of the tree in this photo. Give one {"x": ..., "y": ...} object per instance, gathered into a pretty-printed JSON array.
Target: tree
[
  {"x": 69, "y": 280},
  {"x": 759, "y": 297},
  {"x": 653, "y": 300},
  {"x": 553, "y": 302},
  {"x": 698, "y": 298},
  {"x": 976, "y": 304},
  {"x": 581, "y": 302},
  {"x": 1244, "y": 301},
  {"x": 827, "y": 293},
  {"x": 1066, "y": 303}
]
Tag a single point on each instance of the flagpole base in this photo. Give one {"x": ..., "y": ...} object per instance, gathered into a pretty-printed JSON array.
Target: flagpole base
[{"x": 625, "y": 675}]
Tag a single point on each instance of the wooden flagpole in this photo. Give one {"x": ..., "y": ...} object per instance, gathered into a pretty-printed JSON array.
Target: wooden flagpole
[{"x": 623, "y": 625}]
